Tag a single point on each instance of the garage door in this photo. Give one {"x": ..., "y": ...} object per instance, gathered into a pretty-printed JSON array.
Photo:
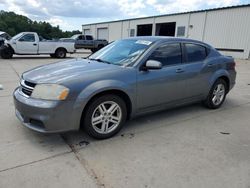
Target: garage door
[
  {"x": 86, "y": 32},
  {"x": 102, "y": 33}
]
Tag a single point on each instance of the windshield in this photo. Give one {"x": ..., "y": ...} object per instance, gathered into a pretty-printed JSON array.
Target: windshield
[
  {"x": 74, "y": 36},
  {"x": 17, "y": 36},
  {"x": 121, "y": 52}
]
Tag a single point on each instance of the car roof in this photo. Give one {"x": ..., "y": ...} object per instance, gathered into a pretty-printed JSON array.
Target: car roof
[
  {"x": 1, "y": 32},
  {"x": 166, "y": 39}
]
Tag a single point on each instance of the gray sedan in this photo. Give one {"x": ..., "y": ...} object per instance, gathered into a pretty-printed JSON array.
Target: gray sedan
[{"x": 124, "y": 79}]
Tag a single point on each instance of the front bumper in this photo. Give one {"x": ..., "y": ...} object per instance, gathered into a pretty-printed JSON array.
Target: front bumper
[{"x": 43, "y": 115}]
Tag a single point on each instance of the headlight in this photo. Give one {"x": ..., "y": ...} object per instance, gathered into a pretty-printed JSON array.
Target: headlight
[{"x": 50, "y": 92}]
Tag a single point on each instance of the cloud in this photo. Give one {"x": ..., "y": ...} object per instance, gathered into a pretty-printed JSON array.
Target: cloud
[
  {"x": 57, "y": 11},
  {"x": 172, "y": 6}
]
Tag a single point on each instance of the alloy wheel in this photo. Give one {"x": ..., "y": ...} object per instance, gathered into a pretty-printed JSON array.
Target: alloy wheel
[
  {"x": 218, "y": 94},
  {"x": 106, "y": 117}
]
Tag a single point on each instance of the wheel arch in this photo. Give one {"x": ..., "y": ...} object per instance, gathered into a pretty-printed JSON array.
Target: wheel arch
[
  {"x": 222, "y": 74},
  {"x": 226, "y": 79},
  {"x": 118, "y": 92},
  {"x": 9, "y": 46},
  {"x": 61, "y": 48}
]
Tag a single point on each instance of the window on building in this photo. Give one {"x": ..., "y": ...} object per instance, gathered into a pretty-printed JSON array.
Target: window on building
[
  {"x": 132, "y": 33},
  {"x": 168, "y": 54},
  {"x": 144, "y": 30},
  {"x": 165, "y": 29},
  {"x": 195, "y": 52},
  {"x": 181, "y": 31}
]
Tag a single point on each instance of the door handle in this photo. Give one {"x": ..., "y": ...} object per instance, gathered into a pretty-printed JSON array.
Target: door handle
[
  {"x": 179, "y": 70},
  {"x": 34, "y": 44}
]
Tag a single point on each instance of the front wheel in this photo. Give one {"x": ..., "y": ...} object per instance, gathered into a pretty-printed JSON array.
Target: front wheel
[
  {"x": 93, "y": 50},
  {"x": 6, "y": 53},
  {"x": 52, "y": 55},
  {"x": 105, "y": 116},
  {"x": 217, "y": 94}
]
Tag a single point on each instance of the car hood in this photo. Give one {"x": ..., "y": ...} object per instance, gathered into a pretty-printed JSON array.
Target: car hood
[{"x": 68, "y": 70}]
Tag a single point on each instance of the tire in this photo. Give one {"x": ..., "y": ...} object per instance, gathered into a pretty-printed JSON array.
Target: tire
[
  {"x": 99, "y": 120},
  {"x": 217, "y": 94},
  {"x": 53, "y": 55},
  {"x": 6, "y": 53},
  {"x": 100, "y": 46},
  {"x": 60, "y": 53},
  {"x": 93, "y": 50}
]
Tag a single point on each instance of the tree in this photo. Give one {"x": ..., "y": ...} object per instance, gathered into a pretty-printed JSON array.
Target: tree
[{"x": 13, "y": 24}]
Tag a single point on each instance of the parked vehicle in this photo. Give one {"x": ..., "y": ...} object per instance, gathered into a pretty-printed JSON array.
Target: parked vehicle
[
  {"x": 86, "y": 42},
  {"x": 4, "y": 36},
  {"x": 29, "y": 43},
  {"x": 124, "y": 79}
]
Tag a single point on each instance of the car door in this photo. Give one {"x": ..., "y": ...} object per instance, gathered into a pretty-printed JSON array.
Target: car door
[
  {"x": 198, "y": 68},
  {"x": 27, "y": 44},
  {"x": 165, "y": 85},
  {"x": 89, "y": 41}
]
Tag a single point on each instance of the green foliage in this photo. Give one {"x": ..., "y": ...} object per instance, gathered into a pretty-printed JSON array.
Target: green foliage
[{"x": 14, "y": 24}]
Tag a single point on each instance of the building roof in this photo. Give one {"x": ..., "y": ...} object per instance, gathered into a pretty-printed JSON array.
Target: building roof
[{"x": 173, "y": 14}]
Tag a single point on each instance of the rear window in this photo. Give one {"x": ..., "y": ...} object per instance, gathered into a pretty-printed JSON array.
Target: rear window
[
  {"x": 195, "y": 52},
  {"x": 88, "y": 37}
]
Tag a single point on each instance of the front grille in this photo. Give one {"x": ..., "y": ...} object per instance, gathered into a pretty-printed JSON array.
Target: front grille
[{"x": 27, "y": 87}]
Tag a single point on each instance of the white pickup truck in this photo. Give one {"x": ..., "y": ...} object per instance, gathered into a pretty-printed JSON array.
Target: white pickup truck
[{"x": 29, "y": 43}]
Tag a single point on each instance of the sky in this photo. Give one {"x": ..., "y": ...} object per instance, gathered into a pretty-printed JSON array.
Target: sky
[{"x": 71, "y": 14}]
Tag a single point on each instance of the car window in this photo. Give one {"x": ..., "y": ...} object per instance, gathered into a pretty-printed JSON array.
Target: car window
[
  {"x": 88, "y": 37},
  {"x": 195, "y": 52},
  {"x": 168, "y": 54},
  {"x": 28, "y": 38},
  {"x": 81, "y": 37}
]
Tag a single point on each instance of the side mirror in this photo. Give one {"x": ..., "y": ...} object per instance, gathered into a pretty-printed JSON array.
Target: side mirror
[
  {"x": 153, "y": 64},
  {"x": 21, "y": 40}
]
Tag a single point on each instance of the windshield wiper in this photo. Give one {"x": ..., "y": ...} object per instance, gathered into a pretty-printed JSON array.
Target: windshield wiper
[{"x": 100, "y": 60}]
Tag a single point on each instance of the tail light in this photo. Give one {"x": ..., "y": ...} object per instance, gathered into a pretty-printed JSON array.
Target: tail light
[{"x": 232, "y": 65}]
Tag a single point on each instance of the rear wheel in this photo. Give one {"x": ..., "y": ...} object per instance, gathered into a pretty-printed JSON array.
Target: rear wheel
[
  {"x": 60, "y": 53},
  {"x": 217, "y": 94},
  {"x": 93, "y": 50},
  {"x": 6, "y": 53},
  {"x": 105, "y": 116},
  {"x": 100, "y": 46},
  {"x": 53, "y": 55}
]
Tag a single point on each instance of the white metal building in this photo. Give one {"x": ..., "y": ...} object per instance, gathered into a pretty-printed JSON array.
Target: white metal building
[{"x": 227, "y": 28}]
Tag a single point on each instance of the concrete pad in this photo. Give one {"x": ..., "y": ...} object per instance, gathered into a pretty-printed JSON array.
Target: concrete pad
[
  {"x": 8, "y": 88},
  {"x": 63, "y": 171},
  {"x": 18, "y": 145},
  {"x": 186, "y": 147},
  {"x": 210, "y": 151}
]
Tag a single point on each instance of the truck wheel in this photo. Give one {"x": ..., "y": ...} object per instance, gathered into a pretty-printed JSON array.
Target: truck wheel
[
  {"x": 52, "y": 55},
  {"x": 60, "y": 53},
  {"x": 93, "y": 50},
  {"x": 100, "y": 46},
  {"x": 6, "y": 53}
]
